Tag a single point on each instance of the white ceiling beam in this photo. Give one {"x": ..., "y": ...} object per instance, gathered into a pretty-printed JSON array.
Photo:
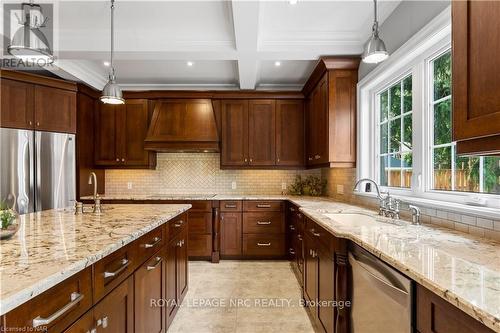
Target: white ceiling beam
[{"x": 246, "y": 33}]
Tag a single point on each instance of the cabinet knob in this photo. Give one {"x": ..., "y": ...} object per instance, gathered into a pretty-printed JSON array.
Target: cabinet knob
[
  {"x": 246, "y": 160},
  {"x": 310, "y": 158},
  {"x": 30, "y": 122},
  {"x": 251, "y": 160},
  {"x": 37, "y": 123},
  {"x": 317, "y": 157},
  {"x": 118, "y": 160},
  {"x": 123, "y": 160},
  {"x": 278, "y": 159}
]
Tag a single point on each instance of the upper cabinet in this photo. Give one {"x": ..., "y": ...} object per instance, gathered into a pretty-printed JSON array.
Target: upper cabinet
[
  {"x": 37, "y": 103},
  {"x": 476, "y": 87},
  {"x": 262, "y": 133},
  {"x": 120, "y": 134},
  {"x": 331, "y": 113}
]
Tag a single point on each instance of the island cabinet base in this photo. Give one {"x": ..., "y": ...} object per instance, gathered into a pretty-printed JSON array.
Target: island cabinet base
[{"x": 137, "y": 288}]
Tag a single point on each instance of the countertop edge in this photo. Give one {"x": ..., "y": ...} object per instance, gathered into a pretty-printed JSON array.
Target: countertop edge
[{"x": 41, "y": 286}]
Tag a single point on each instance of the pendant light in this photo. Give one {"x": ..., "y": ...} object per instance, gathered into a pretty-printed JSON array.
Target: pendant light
[
  {"x": 375, "y": 50},
  {"x": 111, "y": 93},
  {"x": 29, "y": 43}
]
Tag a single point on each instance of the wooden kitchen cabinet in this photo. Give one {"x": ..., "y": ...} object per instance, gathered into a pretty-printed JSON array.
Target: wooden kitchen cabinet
[
  {"x": 230, "y": 234},
  {"x": 149, "y": 284},
  {"x": 261, "y": 132},
  {"x": 476, "y": 97},
  {"x": 290, "y": 133},
  {"x": 310, "y": 272},
  {"x": 331, "y": 113},
  {"x": 35, "y": 102},
  {"x": 115, "y": 312},
  {"x": 120, "y": 134},
  {"x": 436, "y": 315},
  {"x": 234, "y": 145}
]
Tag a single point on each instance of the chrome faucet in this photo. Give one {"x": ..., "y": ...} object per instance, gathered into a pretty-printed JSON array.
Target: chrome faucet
[
  {"x": 97, "y": 201},
  {"x": 415, "y": 214}
]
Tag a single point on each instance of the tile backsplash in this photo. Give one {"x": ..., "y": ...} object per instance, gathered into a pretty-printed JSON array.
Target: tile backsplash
[
  {"x": 178, "y": 173},
  {"x": 345, "y": 178}
]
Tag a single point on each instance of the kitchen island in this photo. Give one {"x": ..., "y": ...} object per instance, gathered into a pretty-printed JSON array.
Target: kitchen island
[{"x": 56, "y": 247}]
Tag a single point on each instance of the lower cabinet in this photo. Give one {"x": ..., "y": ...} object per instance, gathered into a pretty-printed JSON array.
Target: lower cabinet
[
  {"x": 83, "y": 325},
  {"x": 115, "y": 312},
  {"x": 230, "y": 234},
  {"x": 149, "y": 286}
]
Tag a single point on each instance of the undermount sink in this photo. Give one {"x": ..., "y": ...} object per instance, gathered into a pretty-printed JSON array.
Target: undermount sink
[{"x": 360, "y": 219}]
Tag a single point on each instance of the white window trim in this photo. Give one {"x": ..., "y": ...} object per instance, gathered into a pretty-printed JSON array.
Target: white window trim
[{"x": 413, "y": 57}]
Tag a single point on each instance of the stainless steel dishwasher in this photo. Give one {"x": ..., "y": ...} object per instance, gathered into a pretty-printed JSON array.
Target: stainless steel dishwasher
[{"x": 381, "y": 296}]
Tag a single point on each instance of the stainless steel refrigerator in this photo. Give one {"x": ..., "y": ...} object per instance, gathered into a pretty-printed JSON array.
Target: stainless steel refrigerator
[{"x": 37, "y": 169}]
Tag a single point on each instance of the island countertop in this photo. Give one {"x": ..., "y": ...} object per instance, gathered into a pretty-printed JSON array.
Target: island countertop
[{"x": 53, "y": 245}]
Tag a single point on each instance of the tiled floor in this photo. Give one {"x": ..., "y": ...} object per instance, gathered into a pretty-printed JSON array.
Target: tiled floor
[{"x": 252, "y": 283}]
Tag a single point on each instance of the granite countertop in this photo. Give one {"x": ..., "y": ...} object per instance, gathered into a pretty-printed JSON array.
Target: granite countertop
[
  {"x": 52, "y": 245},
  {"x": 461, "y": 268}
]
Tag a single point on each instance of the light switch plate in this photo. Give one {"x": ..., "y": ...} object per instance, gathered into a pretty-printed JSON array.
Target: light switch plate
[
  {"x": 283, "y": 186},
  {"x": 340, "y": 189},
  {"x": 129, "y": 185},
  {"x": 233, "y": 185}
]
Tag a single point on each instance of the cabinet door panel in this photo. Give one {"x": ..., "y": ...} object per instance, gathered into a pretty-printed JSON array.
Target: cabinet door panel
[
  {"x": 476, "y": 101},
  {"x": 105, "y": 126},
  {"x": 230, "y": 238},
  {"x": 136, "y": 120},
  {"x": 322, "y": 122},
  {"x": 55, "y": 109},
  {"x": 83, "y": 325},
  {"x": 170, "y": 254},
  {"x": 261, "y": 132},
  {"x": 16, "y": 109},
  {"x": 182, "y": 266},
  {"x": 149, "y": 281},
  {"x": 326, "y": 288},
  {"x": 234, "y": 133},
  {"x": 310, "y": 272},
  {"x": 289, "y": 133},
  {"x": 115, "y": 312}
]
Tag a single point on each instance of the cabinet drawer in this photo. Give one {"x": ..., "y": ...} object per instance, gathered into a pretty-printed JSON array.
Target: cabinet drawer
[
  {"x": 147, "y": 245},
  {"x": 200, "y": 245},
  {"x": 231, "y": 206},
  {"x": 200, "y": 223},
  {"x": 258, "y": 206},
  {"x": 176, "y": 225},
  {"x": 317, "y": 232},
  {"x": 263, "y": 222},
  {"x": 263, "y": 245},
  {"x": 73, "y": 294},
  {"x": 113, "y": 269}
]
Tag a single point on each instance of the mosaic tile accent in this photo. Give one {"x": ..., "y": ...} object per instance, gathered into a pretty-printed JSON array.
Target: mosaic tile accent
[{"x": 185, "y": 173}]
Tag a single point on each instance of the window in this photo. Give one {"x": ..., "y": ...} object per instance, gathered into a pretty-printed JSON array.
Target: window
[
  {"x": 452, "y": 172},
  {"x": 395, "y": 134},
  {"x": 405, "y": 127}
]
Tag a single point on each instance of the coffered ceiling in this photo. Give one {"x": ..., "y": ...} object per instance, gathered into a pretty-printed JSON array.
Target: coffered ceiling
[{"x": 230, "y": 44}]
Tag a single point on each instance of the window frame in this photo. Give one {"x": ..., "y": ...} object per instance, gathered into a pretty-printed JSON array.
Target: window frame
[{"x": 414, "y": 57}]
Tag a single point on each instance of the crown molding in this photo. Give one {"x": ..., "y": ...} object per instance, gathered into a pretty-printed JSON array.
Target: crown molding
[{"x": 83, "y": 72}]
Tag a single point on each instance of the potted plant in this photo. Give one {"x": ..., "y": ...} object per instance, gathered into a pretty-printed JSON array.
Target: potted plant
[{"x": 8, "y": 227}]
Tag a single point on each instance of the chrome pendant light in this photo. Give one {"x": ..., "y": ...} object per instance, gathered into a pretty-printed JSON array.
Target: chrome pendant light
[
  {"x": 375, "y": 50},
  {"x": 29, "y": 43},
  {"x": 111, "y": 93}
]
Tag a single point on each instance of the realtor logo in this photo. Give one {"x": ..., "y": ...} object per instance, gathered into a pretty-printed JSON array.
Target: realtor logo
[{"x": 28, "y": 34}]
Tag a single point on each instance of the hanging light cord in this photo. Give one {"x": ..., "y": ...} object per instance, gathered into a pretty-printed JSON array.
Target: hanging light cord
[{"x": 112, "y": 70}]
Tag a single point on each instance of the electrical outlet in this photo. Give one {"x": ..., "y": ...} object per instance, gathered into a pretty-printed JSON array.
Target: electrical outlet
[
  {"x": 340, "y": 189},
  {"x": 283, "y": 186},
  {"x": 233, "y": 185},
  {"x": 129, "y": 185}
]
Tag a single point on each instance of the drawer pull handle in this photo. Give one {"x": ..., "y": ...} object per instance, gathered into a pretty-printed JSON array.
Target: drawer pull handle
[
  {"x": 75, "y": 299},
  {"x": 178, "y": 224},
  {"x": 292, "y": 209},
  {"x": 263, "y": 206},
  {"x": 158, "y": 261},
  {"x": 156, "y": 240},
  {"x": 317, "y": 234},
  {"x": 292, "y": 252},
  {"x": 299, "y": 237},
  {"x": 230, "y": 206},
  {"x": 292, "y": 227},
  {"x": 264, "y": 244},
  {"x": 102, "y": 322},
  {"x": 125, "y": 262},
  {"x": 263, "y": 222},
  {"x": 180, "y": 243}
]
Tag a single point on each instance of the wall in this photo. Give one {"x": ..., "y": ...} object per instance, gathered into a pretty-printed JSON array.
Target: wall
[
  {"x": 447, "y": 219},
  {"x": 407, "y": 19},
  {"x": 198, "y": 173}
]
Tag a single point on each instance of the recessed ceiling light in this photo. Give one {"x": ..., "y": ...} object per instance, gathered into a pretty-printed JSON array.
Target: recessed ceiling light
[
  {"x": 293, "y": 2},
  {"x": 277, "y": 63},
  {"x": 106, "y": 63},
  {"x": 190, "y": 63}
]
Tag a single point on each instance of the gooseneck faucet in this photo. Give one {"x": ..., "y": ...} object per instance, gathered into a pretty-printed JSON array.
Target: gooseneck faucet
[{"x": 97, "y": 201}]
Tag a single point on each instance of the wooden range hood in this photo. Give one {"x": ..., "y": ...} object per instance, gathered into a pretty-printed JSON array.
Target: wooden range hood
[{"x": 182, "y": 125}]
